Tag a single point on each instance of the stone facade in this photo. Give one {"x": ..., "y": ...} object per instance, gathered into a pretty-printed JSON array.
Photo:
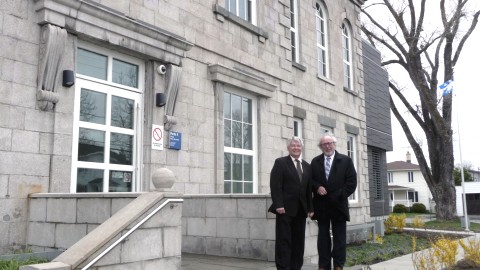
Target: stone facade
[{"x": 207, "y": 52}]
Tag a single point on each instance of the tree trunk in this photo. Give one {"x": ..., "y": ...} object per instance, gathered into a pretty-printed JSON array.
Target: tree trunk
[{"x": 444, "y": 196}]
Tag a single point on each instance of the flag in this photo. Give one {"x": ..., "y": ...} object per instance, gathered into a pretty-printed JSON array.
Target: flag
[{"x": 446, "y": 87}]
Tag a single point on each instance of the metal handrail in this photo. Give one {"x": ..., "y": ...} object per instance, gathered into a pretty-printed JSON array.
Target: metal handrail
[{"x": 129, "y": 232}]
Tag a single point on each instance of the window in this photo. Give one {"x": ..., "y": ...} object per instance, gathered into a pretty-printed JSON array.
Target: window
[
  {"x": 390, "y": 177},
  {"x": 298, "y": 127},
  {"x": 244, "y": 9},
  {"x": 322, "y": 41},
  {"x": 410, "y": 177},
  {"x": 105, "y": 155},
  {"x": 239, "y": 144},
  {"x": 412, "y": 196},
  {"x": 347, "y": 57},
  {"x": 376, "y": 174},
  {"x": 294, "y": 30},
  {"x": 351, "y": 152}
]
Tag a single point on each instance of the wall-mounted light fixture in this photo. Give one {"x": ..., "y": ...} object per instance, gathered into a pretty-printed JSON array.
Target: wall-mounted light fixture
[
  {"x": 68, "y": 78},
  {"x": 160, "y": 99}
]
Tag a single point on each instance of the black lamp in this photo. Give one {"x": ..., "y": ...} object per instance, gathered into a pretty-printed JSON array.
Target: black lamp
[
  {"x": 68, "y": 78},
  {"x": 160, "y": 99}
]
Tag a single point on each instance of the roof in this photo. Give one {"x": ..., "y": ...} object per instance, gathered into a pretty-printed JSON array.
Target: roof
[
  {"x": 395, "y": 187},
  {"x": 402, "y": 166}
]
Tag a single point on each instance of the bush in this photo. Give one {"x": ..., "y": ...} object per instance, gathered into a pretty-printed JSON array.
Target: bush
[
  {"x": 418, "y": 208},
  {"x": 400, "y": 208},
  {"x": 395, "y": 223}
]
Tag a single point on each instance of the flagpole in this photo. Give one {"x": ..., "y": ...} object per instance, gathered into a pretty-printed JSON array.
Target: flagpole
[{"x": 463, "y": 178}]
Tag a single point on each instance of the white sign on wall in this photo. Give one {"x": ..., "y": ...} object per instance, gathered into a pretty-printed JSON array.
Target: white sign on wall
[{"x": 157, "y": 137}]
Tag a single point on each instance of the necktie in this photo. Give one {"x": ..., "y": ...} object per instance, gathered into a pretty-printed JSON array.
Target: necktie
[
  {"x": 299, "y": 169},
  {"x": 327, "y": 167}
]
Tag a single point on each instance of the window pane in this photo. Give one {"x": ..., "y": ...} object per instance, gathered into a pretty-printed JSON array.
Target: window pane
[
  {"x": 242, "y": 9},
  {"x": 232, "y": 7},
  {"x": 227, "y": 188},
  {"x": 92, "y": 64},
  {"x": 248, "y": 168},
  {"x": 91, "y": 144},
  {"x": 227, "y": 133},
  {"x": 226, "y": 106},
  {"x": 247, "y": 110},
  {"x": 89, "y": 180},
  {"x": 236, "y": 108},
  {"x": 247, "y": 137},
  {"x": 248, "y": 188},
  {"x": 120, "y": 181},
  {"x": 125, "y": 73},
  {"x": 227, "y": 166},
  {"x": 92, "y": 106},
  {"x": 237, "y": 167},
  {"x": 236, "y": 134},
  {"x": 122, "y": 112},
  {"x": 121, "y": 149},
  {"x": 237, "y": 187}
]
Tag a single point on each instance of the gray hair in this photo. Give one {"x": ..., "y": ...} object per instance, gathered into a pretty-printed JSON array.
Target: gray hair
[
  {"x": 295, "y": 139},
  {"x": 334, "y": 139}
]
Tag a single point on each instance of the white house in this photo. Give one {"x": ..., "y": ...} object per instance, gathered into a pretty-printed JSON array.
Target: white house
[{"x": 407, "y": 186}]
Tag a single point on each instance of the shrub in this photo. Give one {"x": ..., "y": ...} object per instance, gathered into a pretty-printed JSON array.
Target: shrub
[
  {"x": 418, "y": 208},
  {"x": 472, "y": 250},
  {"x": 395, "y": 222},
  {"x": 418, "y": 222},
  {"x": 400, "y": 208}
]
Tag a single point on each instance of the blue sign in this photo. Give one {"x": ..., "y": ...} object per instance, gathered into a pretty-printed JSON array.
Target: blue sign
[{"x": 175, "y": 140}]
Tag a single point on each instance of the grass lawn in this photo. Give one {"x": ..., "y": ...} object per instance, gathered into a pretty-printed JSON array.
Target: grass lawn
[
  {"x": 15, "y": 265},
  {"x": 451, "y": 225},
  {"x": 395, "y": 245}
]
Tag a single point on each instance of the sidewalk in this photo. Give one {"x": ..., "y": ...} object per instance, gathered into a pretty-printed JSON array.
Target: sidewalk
[{"x": 207, "y": 262}]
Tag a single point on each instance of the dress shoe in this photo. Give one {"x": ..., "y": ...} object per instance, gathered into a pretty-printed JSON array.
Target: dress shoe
[{"x": 338, "y": 268}]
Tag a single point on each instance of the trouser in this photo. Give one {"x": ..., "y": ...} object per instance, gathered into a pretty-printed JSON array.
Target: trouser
[
  {"x": 324, "y": 243},
  {"x": 289, "y": 241}
]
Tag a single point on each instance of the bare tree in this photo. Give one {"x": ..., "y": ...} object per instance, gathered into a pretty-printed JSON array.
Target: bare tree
[{"x": 422, "y": 54}]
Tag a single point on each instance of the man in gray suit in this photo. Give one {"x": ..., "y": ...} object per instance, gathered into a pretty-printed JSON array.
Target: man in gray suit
[
  {"x": 291, "y": 190},
  {"x": 334, "y": 179}
]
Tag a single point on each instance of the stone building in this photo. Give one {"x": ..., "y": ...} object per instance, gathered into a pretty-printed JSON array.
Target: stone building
[{"x": 95, "y": 95}]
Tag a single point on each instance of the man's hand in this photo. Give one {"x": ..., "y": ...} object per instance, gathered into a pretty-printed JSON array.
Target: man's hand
[
  {"x": 280, "y": 210},
  {"x": 322, "y": 191}
]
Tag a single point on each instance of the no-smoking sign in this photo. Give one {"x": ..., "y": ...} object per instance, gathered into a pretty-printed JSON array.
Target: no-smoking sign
[{"x": 157, "y": 137}]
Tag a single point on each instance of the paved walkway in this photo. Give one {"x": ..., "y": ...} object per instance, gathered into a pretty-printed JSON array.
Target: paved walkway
[{"x": 206, "y": 262}]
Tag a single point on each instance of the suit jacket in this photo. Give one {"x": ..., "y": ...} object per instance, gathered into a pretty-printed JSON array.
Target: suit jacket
[
  {"x": 287, "y": 190},
  {"x": 342, "y": 182}
]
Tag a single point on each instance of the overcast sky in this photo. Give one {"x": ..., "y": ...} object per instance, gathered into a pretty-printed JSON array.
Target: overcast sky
[{"x": 466, "y": 105}]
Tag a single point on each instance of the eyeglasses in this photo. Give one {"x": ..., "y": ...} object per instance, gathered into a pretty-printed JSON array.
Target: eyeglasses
[{"x": 327, "y": 144}]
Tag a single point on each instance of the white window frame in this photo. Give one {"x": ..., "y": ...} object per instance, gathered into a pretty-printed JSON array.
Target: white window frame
[
  {"x": 347, "y": 57},
  {"x": 410, "y": 177},
  {"x": 253, "y": 19},
  {"x": 298, "y": 127},
  {"x": 323, "y": 61},
  {"x": 111, "y": 89},
  {"x": 390, "y": 177},
  {"x": 254, "y": 151},
  {"x": 295, "y": 42},
  {"x": 352, "y": 153}
]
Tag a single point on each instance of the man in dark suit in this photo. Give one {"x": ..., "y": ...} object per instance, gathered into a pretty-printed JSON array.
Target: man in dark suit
[
  {"x": 334, "y": 179},
  {"x": 291, "y": 190}
]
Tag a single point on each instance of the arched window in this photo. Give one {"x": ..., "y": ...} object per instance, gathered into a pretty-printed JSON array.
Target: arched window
[
  {"x": 322, "y": 40},
  {"x": 347, "y": 57}
]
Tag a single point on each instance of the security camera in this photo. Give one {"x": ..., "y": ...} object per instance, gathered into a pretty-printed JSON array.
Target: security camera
[{"x": 161, "y": 69}]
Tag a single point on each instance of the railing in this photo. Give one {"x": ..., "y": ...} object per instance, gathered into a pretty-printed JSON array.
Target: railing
[{"x": 134, "y": 228}]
